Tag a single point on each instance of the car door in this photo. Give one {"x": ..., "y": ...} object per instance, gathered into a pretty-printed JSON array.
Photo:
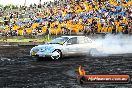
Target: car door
[{"x": 71, "y": 46}]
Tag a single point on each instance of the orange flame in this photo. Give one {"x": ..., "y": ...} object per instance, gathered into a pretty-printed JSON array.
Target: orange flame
[{"x": 81, "y": 71}]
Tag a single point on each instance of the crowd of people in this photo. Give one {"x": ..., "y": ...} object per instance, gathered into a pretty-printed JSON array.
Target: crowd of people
[{"x": 70, "y": 17}]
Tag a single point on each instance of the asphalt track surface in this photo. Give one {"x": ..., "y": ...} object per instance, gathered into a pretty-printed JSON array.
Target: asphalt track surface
[{"x": 19, "y": 70}]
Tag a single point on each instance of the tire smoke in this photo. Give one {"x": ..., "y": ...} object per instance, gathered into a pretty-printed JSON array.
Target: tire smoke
[{"x": 115, "y": 44}]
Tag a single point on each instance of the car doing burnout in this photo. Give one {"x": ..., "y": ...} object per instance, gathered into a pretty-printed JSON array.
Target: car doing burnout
[{"x": 65, "y": 46}]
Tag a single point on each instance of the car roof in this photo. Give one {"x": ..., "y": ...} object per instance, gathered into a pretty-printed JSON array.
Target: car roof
[{"x": 72, "y": 36}]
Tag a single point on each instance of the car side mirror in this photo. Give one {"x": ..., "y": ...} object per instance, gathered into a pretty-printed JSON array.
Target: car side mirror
[{"x": 68, "y": 43}]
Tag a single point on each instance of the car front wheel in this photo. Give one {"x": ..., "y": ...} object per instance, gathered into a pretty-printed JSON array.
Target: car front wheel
[{"x": 56, "y": 55}]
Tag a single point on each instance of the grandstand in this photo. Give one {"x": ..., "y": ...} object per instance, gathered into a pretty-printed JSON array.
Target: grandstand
[{"x": 69, "y": 17}]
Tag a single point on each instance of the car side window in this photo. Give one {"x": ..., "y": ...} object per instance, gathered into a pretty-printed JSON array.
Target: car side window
[{"x": 73, "y": 41}]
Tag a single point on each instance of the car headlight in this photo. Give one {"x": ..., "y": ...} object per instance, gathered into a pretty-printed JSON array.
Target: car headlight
[
  {"x": 34, "y": 49},
  {"x": 42, "y": 50}
]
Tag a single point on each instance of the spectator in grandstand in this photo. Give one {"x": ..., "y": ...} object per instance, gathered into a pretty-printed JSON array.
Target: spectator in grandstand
[{"x": 96, "y": 15}]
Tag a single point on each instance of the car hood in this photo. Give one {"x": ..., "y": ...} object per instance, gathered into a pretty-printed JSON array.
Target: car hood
[{"x": 46, "y": 47}]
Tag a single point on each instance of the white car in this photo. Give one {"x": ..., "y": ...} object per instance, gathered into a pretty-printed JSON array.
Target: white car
[{"x": 66, "y": 46}]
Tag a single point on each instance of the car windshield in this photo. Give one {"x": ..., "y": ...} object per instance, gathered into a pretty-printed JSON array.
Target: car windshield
[{"x": 60, "y": 40}]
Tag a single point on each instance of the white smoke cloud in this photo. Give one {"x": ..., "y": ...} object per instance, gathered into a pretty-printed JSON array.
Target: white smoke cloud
[{"x": 115, "y": 44}]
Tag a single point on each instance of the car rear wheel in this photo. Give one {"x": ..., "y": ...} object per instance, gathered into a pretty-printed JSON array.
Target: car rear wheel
[
  {"x": 94, "y": 52},
  {"x": 56, "y": 55}
]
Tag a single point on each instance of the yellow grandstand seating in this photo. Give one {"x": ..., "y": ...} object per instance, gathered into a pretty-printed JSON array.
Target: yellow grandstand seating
[
  {"x": 44, "y": 29},
  {"x": 109, "y": 29},
  {"x": 99, "y": 29},
  {"x": 119, "y": 29},
  {"x": 20, "y": 32},
  {"x": 52, "y": 31},
  {"x": 86, "y": 7},
  {"x": 15, "y": 27},
  {"x": 35, "y": 25},
  {"x": 29, "y": 30}
]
